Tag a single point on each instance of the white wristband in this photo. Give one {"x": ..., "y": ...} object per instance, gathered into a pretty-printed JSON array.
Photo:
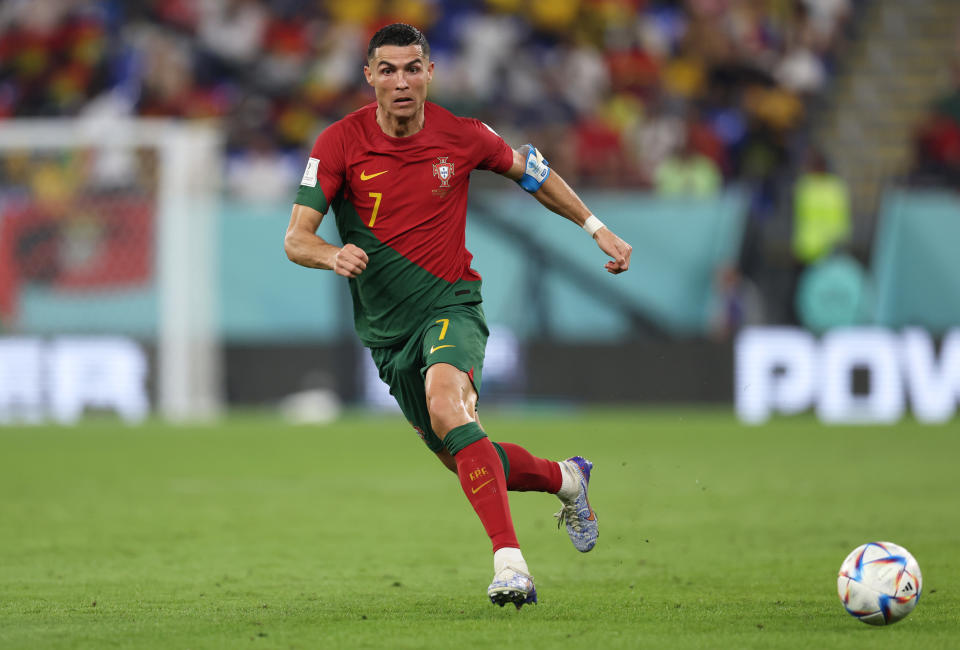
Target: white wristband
[{"x": 592, "y": 225}]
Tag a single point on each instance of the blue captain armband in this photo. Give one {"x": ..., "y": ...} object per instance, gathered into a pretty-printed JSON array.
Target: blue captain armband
[{"x": 535, "y": 172}]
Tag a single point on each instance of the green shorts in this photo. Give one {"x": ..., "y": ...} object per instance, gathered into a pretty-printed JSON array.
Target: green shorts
[{"x": 456, "y": 335}]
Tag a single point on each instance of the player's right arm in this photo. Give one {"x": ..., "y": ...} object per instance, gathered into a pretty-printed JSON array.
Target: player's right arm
[
  {"x": 306, "y": 248},
  {"x": 322, "y": 178}
]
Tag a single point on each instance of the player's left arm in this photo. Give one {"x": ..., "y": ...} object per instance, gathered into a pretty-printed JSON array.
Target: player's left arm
[{"x": 557, "y": 196}]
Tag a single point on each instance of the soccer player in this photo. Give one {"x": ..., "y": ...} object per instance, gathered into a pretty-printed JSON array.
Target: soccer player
[{"x": 396, "y": 173}]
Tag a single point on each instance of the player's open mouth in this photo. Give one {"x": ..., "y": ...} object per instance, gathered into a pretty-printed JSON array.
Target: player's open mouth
[{"x": 402, "y": 101}]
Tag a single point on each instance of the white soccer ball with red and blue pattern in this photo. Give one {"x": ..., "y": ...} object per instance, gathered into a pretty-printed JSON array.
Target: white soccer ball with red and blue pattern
[{"x": 879, "y": 583}]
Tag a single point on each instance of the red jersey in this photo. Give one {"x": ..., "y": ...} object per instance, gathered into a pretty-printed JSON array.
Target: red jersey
[{"x": 404, "y": 202}]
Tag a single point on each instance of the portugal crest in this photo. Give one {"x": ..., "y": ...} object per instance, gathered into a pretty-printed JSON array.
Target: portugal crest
[{"x": 443, "y": 169}]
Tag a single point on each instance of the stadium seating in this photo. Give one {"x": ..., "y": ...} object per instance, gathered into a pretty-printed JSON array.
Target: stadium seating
[{"x": 613, "y": 88}]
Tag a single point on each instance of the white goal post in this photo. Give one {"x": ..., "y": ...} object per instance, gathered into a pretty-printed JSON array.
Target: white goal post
[{"x": 173, "y": 170}]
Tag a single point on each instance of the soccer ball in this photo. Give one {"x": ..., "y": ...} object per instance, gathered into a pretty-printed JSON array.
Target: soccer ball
[{"x": 879, "y": 583}]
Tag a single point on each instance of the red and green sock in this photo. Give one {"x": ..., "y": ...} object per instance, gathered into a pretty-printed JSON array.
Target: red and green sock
[
  {"x": 487, "y": 470},
  {"x": 527, "y": 473},
  {"x": 484, "y": 482}
]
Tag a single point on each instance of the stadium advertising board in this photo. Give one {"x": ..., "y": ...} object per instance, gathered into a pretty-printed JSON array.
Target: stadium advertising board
[
  {"x": 60, "y": 378},
  {"x": 782, "y": 370}
]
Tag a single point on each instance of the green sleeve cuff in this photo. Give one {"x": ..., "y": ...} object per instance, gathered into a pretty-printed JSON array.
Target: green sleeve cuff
[{"x": 312, "y": 197}]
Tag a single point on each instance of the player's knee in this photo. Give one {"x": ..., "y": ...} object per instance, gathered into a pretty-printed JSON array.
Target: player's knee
[
  {"x": 447, "y": 411},
  {"x": 451, "y": 399}
]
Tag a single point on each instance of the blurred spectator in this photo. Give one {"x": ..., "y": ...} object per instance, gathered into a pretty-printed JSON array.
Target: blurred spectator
[
  {"x": 688, "y": 173},
  {"x": 660, "y": 133},
  {"x": 601, "y": 159},
  {"x": 821, "y": 212},
  {"x": 826, "y": 20},
  {"x": 821, "y": 225},
  {"x": 737, "y": 303},
  {"x": 801, "y": 71},
  {"x": 233, "y": 30},
  {"x": 937, "y": 140},
  {"x": 937, "y": 146}
]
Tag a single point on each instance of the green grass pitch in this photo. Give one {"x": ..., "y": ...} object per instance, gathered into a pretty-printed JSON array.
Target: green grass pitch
[{"x": 258, "y": 534}]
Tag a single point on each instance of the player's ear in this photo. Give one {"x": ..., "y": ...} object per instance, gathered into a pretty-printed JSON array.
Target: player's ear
[
  {"x": 430, "y": 72},
  {"x": 368, "y": 73}
]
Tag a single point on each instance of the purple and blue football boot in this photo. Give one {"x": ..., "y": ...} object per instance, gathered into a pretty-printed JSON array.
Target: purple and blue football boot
[
  {"x": 579, "y": 517},
  {"x": 512, "y": 586}
]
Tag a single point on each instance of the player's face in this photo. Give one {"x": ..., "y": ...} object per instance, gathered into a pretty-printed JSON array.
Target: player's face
[{"x": 399, "y": 76}]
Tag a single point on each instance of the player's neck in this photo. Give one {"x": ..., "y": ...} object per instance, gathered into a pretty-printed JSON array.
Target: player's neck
[{"x": 397, "y": 127}]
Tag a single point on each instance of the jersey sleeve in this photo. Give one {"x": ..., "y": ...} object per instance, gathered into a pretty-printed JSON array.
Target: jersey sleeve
[
  {"x": 324, "y": 174},
  {"x": 494, "y": 154}
]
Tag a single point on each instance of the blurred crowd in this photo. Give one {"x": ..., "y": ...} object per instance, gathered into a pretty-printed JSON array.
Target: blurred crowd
[
  {"x": 681, "y": 96},
  {"x": 937, "y": 138}
]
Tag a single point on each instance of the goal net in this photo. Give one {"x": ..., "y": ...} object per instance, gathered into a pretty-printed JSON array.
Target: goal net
[{"x": 107, "y": 269}]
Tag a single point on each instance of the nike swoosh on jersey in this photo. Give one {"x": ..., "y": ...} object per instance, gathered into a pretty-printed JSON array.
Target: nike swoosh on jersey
[
  {"x": 440, "y": 347},
  {"x": 480, "y": 487},
  {"x": 365, "y": 177}
]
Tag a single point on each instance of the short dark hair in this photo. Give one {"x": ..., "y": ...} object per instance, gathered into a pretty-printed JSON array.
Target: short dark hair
[{"x": 398, "y": 34}]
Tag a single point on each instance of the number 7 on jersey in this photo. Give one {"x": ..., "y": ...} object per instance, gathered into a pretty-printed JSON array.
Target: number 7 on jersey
[{"x": 376, "y": 206}]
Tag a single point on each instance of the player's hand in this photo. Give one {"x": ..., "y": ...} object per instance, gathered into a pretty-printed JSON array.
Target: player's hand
[
  {"x": 616, "y": 248},
  {"x": 350, "y": 261}
]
